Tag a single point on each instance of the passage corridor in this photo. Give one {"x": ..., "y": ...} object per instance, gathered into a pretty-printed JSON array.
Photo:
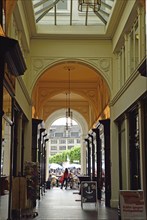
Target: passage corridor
[{"x": 61, "y": 204}]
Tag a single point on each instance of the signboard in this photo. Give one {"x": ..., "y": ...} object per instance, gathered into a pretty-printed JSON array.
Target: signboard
[
  {"x": 88, "y": 192},
  {"x": 132, "y": 205}
]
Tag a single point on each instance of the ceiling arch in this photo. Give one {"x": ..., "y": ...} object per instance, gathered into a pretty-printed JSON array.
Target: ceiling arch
[
  {"x": 76, "y": 116},
  {"x": 100, "y": 66},
  {"x": 60, "y": 95},
  {"x": 89, "y": 91}
]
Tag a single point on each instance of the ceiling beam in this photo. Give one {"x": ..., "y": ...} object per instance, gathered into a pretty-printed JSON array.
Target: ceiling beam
[{"x": 40, "y": 3}]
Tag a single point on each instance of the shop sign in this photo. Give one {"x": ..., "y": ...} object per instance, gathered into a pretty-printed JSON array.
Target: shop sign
[
  {"x": 132, "y": 205},
  {"x": 88, "y": 192}
]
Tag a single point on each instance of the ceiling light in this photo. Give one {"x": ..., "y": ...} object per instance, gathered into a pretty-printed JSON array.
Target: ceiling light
[
  {"x": 69, "y": 114},
  {"x": 92, "y": 4}
]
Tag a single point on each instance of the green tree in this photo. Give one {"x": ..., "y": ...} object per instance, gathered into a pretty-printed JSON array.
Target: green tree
[{"x": 73, "y": 154}]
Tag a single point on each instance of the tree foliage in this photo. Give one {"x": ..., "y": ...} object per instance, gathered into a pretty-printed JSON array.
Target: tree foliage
[{"x": 74, "y": 154}]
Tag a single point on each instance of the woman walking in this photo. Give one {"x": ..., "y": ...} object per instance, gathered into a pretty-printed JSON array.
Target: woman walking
[{"x": 65, "y": 178}]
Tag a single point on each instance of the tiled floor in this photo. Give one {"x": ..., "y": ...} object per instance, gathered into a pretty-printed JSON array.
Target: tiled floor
[{"x": 61, "y": 204}]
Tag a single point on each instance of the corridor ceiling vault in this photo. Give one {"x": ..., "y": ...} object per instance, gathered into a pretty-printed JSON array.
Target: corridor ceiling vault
[{"x": 89, "y": 92}]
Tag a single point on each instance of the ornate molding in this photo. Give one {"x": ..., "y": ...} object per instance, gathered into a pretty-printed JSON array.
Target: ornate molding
[
  {"x": 102, "y": 65},
  {"x": 47, "y": 93}
]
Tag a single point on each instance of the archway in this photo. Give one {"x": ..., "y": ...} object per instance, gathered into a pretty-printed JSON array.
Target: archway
[
  {"x": 83, "y": 127},
  {"x": 90, "y": 93},
  {"x": 89, "y": 96}
]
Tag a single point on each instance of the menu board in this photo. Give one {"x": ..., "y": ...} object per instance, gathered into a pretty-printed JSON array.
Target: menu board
[{"x": 88, "y": 192}]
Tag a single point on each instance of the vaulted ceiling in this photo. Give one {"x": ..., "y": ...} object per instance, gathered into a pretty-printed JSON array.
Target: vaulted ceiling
[{"x": 89, "y": 93}]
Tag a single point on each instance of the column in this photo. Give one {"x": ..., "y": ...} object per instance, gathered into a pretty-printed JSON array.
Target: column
[
  {"x": 35, "y": 123},
  {"x": 93, "y": 156},
  {"x": 83, "y": 156},
  {"x": 142, "y": 34},
  {"x": 114, "y": 165},
  {"x": 126, "y": 59},
  {"x": 88, "y": 157}
]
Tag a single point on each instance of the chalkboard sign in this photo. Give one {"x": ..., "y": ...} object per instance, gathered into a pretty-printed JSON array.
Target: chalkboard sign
[{"x": 88, "y": 192}]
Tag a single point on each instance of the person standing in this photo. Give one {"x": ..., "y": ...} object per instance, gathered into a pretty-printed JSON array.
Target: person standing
[{"x": 65, "y": 179}]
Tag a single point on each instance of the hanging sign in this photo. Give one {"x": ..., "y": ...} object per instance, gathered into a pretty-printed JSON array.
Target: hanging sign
[{"x": 132, "y": 205}]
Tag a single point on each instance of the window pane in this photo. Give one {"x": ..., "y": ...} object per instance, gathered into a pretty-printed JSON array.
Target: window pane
[
  {"x": 62, "y": 5},
  {"x": 62, "y": 147},
  {"x": 58, "y": 134}
]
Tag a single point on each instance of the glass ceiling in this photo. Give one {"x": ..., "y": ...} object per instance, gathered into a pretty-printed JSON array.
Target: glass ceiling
[{"x": 65, "y": 12}]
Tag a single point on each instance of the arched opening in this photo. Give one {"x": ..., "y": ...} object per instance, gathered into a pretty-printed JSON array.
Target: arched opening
[
  {"x": 89, "y": 100},
  {"x": 64, "y": 147},
  {"x": 89, "y": 91},
  {"x": 80, "y": 126}
]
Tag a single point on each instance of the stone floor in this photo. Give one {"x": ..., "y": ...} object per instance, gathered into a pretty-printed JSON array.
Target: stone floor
[{"x": 61, "y": 204}]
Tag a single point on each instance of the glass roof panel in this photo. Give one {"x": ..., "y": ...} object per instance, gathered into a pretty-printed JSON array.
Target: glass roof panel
[{"x": 66, "y": 13}]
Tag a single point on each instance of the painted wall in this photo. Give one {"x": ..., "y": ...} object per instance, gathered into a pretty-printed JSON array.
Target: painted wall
[
  {"x": 47, "y": 52},
  {"x": 25, "y": 104}
]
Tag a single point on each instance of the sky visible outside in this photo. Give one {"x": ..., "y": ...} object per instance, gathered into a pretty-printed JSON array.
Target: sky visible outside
[{"x": 62, "y": 121}]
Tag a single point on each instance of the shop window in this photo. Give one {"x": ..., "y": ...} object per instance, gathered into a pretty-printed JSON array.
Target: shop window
[{"x": 134, "y": 150}]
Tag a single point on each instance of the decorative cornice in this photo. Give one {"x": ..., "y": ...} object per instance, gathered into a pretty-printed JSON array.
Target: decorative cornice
[
  {"x": 129, "y": 81},
  {"x": 23, "y": 87},
  {"x": 102, "y": 64}
]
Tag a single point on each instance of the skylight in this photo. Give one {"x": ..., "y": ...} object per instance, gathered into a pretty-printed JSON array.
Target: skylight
[{"x": 66, "y": 13}]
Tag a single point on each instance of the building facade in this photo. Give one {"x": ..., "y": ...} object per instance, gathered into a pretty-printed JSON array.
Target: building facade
[{"x": 59, "y": 139}]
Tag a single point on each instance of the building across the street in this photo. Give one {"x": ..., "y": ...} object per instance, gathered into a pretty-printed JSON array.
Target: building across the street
[{"x": 61, "y": 140}]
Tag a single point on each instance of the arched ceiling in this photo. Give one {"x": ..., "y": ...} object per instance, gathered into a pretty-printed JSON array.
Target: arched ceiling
[{"x": 89, "y": 93}]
